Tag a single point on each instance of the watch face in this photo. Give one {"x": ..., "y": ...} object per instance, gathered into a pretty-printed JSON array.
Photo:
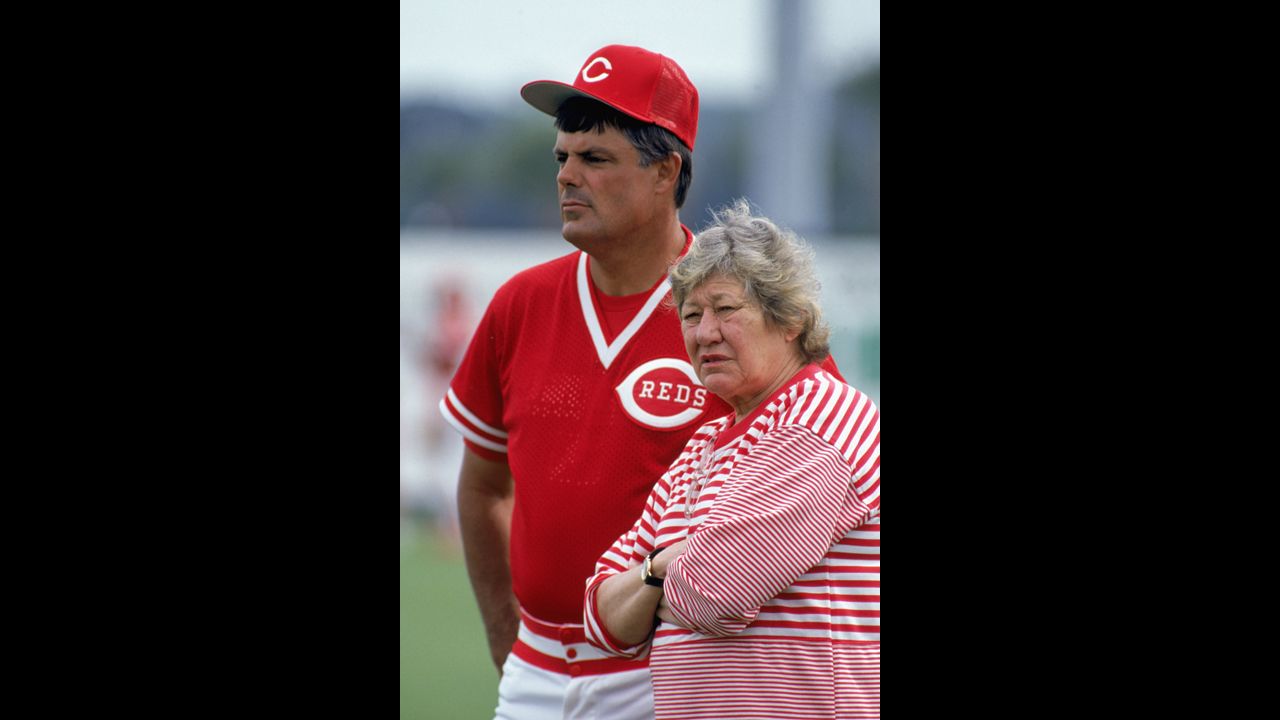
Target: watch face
[{"x": 646, "y": 573}]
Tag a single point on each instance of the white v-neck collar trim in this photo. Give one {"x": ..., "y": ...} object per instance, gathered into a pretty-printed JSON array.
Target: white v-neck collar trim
[{"x": 609, "y": 352}]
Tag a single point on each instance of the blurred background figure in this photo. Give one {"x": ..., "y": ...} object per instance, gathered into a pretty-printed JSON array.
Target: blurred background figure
[{"x": 428, "y": 481}]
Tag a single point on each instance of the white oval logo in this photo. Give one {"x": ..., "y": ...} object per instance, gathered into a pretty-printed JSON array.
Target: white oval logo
[
  {"x": 586, "y": 77},
  {"x": 663, "y": 394}
]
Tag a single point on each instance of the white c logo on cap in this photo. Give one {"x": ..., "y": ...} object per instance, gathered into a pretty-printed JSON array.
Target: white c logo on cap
[{"x": 601, "y": 76}]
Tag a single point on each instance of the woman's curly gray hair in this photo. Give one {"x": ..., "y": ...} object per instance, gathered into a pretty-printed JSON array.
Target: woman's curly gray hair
[{"x": 774, "y": 265}]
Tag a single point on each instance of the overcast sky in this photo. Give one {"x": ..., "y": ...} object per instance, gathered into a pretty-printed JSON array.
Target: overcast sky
[{"x": 482, "y": 51}]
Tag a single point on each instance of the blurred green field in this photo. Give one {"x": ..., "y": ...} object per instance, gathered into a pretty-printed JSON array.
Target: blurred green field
[{"x": 445, "y": 670}]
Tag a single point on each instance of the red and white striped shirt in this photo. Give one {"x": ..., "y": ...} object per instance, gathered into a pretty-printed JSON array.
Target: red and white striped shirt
[{"x": 778, "y": 590}]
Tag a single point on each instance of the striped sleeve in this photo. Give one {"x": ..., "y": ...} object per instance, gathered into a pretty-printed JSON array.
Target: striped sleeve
[
  {"x": 861, "y": 450},
  {"x": 627, "y": 552},
  {"x": 850, "y": 421},
  {"x": 788, "y": 501}
]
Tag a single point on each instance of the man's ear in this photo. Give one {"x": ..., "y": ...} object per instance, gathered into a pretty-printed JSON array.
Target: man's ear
[{"x": 668, "y": 172}]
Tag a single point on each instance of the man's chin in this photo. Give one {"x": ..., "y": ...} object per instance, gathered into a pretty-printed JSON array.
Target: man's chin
[{"x": 574, "y": 231}]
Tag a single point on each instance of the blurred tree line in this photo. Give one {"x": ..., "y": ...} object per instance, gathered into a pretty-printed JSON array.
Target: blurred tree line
[{"x": 463, "y": 167}]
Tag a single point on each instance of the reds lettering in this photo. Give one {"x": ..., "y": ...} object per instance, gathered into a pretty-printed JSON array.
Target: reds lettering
[
  {"x": 683, "y": 393},
  {"x": 663, "y": 394}
]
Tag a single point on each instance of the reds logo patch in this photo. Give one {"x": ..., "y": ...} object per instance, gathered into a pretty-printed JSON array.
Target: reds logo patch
[{"x": 663, "y": 394}]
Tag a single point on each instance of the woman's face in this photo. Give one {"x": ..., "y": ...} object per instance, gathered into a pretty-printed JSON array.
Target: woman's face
[{"x": 737, "y": 355}]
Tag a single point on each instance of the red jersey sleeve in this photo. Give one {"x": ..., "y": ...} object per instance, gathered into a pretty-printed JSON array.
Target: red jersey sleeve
[{"x": 473, "y": 404}]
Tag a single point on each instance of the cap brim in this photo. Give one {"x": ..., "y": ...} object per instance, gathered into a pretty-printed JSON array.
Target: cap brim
[{"x": 548, "y": 95}]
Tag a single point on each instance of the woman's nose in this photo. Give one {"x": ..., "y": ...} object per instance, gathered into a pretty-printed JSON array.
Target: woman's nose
[{"x": 708, "y": 329}]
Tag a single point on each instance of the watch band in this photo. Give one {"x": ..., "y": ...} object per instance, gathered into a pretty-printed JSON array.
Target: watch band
[{"x": 646, "y": 572}]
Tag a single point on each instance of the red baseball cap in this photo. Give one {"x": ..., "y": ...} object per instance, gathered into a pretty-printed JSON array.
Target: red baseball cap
[{"x": 645, "y": 85}]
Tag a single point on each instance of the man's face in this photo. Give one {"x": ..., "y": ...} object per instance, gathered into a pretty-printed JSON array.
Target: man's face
[{"x": 604, "y": 193}]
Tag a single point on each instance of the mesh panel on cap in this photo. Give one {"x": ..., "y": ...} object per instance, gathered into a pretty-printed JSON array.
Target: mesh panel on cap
[{"x": 671, "y": 97}]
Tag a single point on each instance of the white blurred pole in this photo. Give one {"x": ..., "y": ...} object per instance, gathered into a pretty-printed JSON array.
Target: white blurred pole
[{"x": 789, "y": 164}]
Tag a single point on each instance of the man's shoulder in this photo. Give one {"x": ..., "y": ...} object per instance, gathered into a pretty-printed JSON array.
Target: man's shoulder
[{"x": 542, "y": 276}]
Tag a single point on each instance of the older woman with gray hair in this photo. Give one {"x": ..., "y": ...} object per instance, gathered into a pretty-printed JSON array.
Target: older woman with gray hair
[{"x": 752, "y": 578}]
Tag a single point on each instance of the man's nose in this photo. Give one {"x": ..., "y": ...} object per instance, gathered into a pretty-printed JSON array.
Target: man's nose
[{"x": 568, "y": 174}]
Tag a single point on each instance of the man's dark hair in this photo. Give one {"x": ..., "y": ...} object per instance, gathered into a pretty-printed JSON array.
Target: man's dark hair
[{"x": 579, "y": 114}]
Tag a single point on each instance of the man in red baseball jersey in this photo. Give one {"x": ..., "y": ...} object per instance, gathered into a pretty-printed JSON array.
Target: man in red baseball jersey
[{"x": 576, "y": 393}]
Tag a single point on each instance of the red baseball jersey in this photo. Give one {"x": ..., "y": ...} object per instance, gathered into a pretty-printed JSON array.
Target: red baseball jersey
[
  {"x": 587, "y": 422},
  {"x": 589, "y": 398}
]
